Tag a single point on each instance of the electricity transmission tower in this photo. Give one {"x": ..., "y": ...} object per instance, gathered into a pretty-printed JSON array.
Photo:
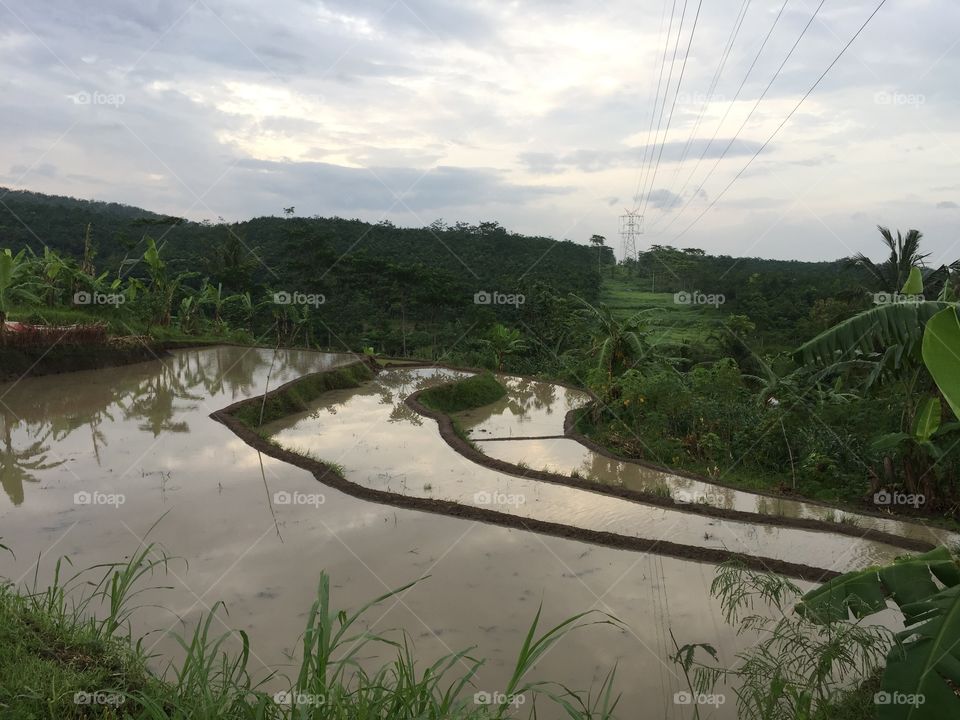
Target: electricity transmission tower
[{"x": 631, "y": 228}]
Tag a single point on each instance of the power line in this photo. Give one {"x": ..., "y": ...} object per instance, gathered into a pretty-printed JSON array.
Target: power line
[
  {"x": 676, "y": 93},
  {"x": 733, "y": 102},
  {"x": 753, "y": 109},
  {"x": 786, "y": 119},
  {"x": 656, "y": 98},
  {"x": 734, "y": 33}
]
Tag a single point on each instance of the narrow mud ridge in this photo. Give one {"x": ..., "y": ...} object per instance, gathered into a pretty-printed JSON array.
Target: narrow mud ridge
[
  {"x": 332, "y": 478},
  {"x": 519, "y": 437},
  {"x": 465, "y": 449}
]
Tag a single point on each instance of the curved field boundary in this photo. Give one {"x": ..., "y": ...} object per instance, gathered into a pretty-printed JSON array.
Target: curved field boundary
[
  {"x": 331, "y": 477},
  {"x": 464, "y": 448},
  {"x": 572, "y": 433}
]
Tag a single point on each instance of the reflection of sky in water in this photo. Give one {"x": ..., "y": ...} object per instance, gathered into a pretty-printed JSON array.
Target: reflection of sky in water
[
  {"x": 144, "y": 431},
  {"x": 354, "y": 429}
]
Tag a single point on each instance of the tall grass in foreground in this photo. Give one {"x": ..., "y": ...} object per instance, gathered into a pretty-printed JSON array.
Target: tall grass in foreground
[{"x": 67, "y": 651}]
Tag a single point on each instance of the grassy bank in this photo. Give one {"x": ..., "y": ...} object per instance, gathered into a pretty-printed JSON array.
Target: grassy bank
[
  {"x": 296, "y": 396},
  {"x": 467, "y": 394},
  {"x": 845, "y": 493},
  {"x": 66, "y": 653}
]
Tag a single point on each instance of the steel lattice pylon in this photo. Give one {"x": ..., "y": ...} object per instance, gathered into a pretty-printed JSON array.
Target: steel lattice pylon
[{"x": 631, "y": 227}]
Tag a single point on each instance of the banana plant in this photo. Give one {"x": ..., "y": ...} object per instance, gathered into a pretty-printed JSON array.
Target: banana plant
[
  {"x": 163, "y": 286},
  {"x": 923, "y": 666},
  {"x": 214, "y": 297},
  {"x": 16, "y": 282},
  {"x": 920, "y": 448}
]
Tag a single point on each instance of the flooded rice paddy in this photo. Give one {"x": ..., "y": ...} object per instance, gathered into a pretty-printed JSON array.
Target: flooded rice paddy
[{"x": 91, "y": 460}]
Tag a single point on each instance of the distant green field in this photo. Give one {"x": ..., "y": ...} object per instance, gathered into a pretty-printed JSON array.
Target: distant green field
[{"x": 671, "y": 322}]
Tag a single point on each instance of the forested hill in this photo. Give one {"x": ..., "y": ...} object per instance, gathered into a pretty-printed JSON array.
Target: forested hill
[
  {"x": 284, "y": 250},
  {"x": 394, "y": 288}
]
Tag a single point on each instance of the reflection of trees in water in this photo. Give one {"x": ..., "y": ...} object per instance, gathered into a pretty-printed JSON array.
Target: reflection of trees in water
[
  {"x": 525, "y": 395},
  {"x": 154, "y": 402},
  {"x": 36, "y": 414},
  {"x": 232, "y": 367},
  {"x": 17, "y": 464}
]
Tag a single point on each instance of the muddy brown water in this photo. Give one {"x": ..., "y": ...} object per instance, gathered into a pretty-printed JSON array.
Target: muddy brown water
[{"x": 143, "y": 432}]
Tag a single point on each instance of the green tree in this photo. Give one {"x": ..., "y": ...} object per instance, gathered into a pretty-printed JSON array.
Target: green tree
[{"x": 892, "y": 274}]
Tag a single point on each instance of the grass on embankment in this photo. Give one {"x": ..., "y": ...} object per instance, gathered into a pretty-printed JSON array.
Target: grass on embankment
[
  {"x": 66, "y": 653},
  {"x": 296, "y": 396},
  {"x": 47, "y": 658},
  {"x": 467, "y": 394}
]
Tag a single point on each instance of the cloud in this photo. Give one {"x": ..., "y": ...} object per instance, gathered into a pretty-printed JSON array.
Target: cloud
[
  {"x": 947, "y": 205},
  {"x": 597, "y": 160},
  {"x": 345, "y": 189},
  {"x": 527, "y": 112}
]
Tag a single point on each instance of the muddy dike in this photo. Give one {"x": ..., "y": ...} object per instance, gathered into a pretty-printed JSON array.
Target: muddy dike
[
  {"x": 455, "y": 439},
  {"x": 16, "y": 363},
  {"x": 243, "y": 419}
]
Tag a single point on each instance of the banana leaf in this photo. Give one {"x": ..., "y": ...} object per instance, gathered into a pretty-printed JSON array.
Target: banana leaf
[
  {"x": 864, "y": 592},
  {"x": 927, "y": 421},
  {"x": 924, "y": 658},
  {"x": 872, "y": 331},
  {"x": 941, "y": 354}
]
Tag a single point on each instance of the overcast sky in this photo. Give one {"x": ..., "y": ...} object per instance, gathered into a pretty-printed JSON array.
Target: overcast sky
[{"x": 535, "y": 114}]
